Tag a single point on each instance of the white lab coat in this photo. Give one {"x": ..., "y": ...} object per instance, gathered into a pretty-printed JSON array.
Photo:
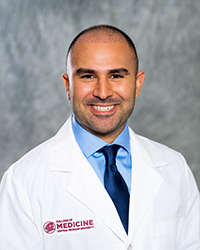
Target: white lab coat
[{"x": 52, "y": 199}]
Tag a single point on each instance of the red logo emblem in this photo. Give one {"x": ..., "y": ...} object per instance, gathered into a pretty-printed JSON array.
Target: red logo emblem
[{"x": 49, "y": 227}]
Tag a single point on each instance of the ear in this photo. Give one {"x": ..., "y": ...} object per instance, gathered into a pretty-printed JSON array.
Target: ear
[
  {"x": 66, "y": 83},
  {"x": 139, "y": 81}
]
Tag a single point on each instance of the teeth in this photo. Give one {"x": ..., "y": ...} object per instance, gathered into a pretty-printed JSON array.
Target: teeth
[{"x": 100, "y": 108}]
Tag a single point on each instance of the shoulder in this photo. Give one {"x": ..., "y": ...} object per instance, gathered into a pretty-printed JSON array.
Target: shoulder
[
  {"x": 32, "y": 160},
  {"x": 157, "y": 153},
  {"x": 153, "y": 146},
  {"x": 169, "y": 163},
  {"x": 163, "y": 150},
  {"x": 38, "y": 162}
]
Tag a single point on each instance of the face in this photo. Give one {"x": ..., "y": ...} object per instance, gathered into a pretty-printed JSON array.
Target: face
[{"x": 102, "y": 86}]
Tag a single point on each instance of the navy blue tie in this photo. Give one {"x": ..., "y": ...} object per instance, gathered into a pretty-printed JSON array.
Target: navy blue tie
[{"x": 115, "y": 184}]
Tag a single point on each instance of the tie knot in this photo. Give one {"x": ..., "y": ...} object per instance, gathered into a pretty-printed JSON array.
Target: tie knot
[{"x": 110, "y": 153}]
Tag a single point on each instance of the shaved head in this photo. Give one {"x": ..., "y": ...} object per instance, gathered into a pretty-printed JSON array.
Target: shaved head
[{"x": 104, "y": 34}]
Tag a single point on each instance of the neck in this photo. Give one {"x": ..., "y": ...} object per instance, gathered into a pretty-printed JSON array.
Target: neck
[{"x": 107, "y": 137}]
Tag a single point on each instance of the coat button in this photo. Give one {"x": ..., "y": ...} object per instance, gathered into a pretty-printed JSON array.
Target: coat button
[{"x": 130, "y": 247}]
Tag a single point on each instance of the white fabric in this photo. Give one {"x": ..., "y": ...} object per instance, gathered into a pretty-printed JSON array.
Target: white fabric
[{"x": 53, "y": 189}]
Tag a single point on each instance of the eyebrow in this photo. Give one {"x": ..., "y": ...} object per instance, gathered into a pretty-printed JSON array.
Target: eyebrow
[
  {"x": 119, "y": 71},
  {"x": 111, "y": 71},
  {"x": 84, "y": 71}
]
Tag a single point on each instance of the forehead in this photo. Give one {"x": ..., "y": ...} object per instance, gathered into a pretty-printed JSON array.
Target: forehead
[{"x": 102, "y": 54}]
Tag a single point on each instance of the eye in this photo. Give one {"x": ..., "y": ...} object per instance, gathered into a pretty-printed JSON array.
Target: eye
[
  {"x": 116, "y": 76},
  {"x": 87, "y": 76}
]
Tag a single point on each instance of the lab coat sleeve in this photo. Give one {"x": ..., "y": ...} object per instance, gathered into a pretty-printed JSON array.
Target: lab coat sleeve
[
  {"x": 189, "y": 224},
  {"x": 17, "y": 228}
]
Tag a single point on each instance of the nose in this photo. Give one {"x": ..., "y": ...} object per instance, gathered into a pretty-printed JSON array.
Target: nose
[{"x": 103, "y": 89}]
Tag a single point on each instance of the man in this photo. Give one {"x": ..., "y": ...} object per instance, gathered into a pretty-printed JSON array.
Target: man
[{"x": 96, "y": 184}]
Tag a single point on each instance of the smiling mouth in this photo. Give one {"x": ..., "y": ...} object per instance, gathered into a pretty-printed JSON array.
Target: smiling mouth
[{"x": 103, "y": 108}]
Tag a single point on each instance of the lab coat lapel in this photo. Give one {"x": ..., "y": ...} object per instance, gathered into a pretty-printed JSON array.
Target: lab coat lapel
[
  {"x": 87, "y": 188},
  {"x": 146, "y": 182},
  {"x": 84, "y": 184}
]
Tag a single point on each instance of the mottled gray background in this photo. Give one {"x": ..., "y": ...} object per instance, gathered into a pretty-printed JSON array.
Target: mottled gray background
[{"x": 34, "y": 37}]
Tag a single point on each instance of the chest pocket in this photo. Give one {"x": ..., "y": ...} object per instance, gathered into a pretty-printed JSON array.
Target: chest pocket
[{"x": 164, "y": 235}]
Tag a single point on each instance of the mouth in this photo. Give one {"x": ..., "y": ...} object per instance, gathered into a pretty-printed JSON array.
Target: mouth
[{"x": 103, "y": 108}]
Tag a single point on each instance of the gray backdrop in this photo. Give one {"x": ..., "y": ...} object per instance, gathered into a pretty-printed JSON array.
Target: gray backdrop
[{"x": 34, "y": 37}]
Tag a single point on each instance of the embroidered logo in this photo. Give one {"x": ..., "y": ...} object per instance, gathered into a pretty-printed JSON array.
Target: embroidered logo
[
  {"x": 67, "y": 225},
  {"x": 49, "y": 227}
]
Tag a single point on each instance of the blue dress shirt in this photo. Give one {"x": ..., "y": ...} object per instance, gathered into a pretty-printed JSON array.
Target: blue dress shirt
[{"x": 90, "y": 144}]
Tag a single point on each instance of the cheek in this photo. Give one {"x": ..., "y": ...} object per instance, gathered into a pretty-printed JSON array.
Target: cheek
[
  {"x": 126, "y": 92},
  {"x": 81, "y": 91}
]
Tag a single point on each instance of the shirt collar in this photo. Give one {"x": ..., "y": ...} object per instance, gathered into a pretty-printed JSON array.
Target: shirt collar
[{"x": 90, "y": 143}]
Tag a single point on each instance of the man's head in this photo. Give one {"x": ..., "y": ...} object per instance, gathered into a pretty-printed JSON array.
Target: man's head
[
  {"x": 104, "y": 34},
  {"x": 102, "y": 80}
]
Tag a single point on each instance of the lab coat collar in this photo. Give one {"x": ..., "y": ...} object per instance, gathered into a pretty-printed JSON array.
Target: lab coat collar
[
  {"x": 140, "y": 145},
  {"x": 62, "y": 153},
  {"x": 63, "y": 143}
]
